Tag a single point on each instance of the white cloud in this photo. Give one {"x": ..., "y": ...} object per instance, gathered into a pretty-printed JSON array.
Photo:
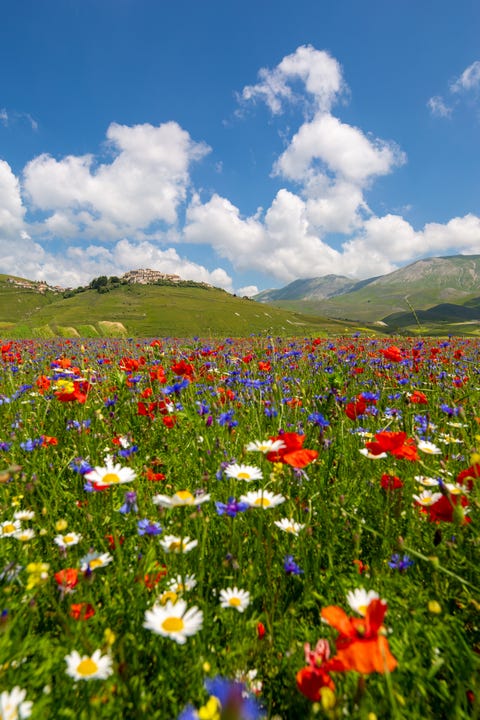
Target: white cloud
[
  {"x": 316, "y": 69},
  {"x": 4, "y": 116},
  {"x": 248, "y": 291},
  {"x": 438, "y": 107},
  {"x": 344, "y": 149},
  {"x": 468, "y": 80},
  {"x": 144, "y": 184},
  {"x": 11, "y": 208}
]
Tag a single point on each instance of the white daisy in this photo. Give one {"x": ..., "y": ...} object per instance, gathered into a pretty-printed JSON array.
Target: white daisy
[
  {"x": 289, "y": 525},
  {"x": 262, "y": 498},
  {"x": 24, "y": 515},
  {"x": 111, "y": 474},
  {"x": 427, "y": 481},
  {"x": 427, "y": 498},
  {"x": 265, "y": 446},
  {"x": 94, "y": 561},
  {"x": 366, "y": 453},
  {"x": 456, "y": 489},
  {"x": 96, "y": 667},
  {"x": 25, "y": 535},
  {"x": 175, "y": 544},
  {"x": 179, "y": 584},
  {"x": 174, "y": 621},
  {"x": 13, "y": 704},
  {"x": 428, "y": 447},
  {"x": 359, "y": 599},
  {"x": 235, "y": 598},
  {"x": 449, "y": 439},
  {"x": 9, "y": 528},
  {"x": 243, "y": 472},
  {"x": 64, "y": 541},
  {"x": 180, "y": 499}
]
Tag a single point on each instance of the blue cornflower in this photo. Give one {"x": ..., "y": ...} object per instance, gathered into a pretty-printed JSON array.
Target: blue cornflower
[
  {"x": 148, "y": 527},
  {"x": 176, "y": 387},
  {"x": 318, "y": 419},
  {"x": 450, "y": 411},
  {"x": 232, "y": 507},
  {"x": 290, "y": 566},
  {"x": 400, "y": 564},
  {"x": 126, "y": 452},
  {"x": 235, "y": 700},
  {"x": 80, "y": 466},
  {"x": 226, "y": 418},
  {"x": 130, "y": 503},
  {"x": 30, "y": 445}
]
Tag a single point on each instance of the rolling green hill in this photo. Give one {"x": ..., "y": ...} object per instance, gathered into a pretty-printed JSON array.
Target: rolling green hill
[{"x": 180, "y": 310}]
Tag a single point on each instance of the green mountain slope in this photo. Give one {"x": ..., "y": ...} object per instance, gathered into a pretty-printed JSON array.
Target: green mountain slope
[
  {"x": 150, "y": 310},
  {"x": 419, "y": 286}
]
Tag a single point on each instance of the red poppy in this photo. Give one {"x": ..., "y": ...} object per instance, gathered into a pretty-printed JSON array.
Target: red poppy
[
  {"x": 361, "y": 644},
  {"x": 355, "y": 408},
  {"x": 81, "y": 611},
  {"x": 183, "y": 368},
  {"x": 153, "y": 476},
  {"x": 392, "y": 353},
  {"x": 390, "y": 482},
  {"x": 446, "y": 508},
  {"x": 395, "y": 443},
  {"x": 418, "y": 398},
  {"x": 66, "y": 579},
  {"x": 314, "y": 677},
  {"x": 293, "y": 452},
  {"x": 466, "y": 477}
]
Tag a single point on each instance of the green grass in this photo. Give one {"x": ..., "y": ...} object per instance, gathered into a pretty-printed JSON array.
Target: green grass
[{"x": 158, "y": 311}]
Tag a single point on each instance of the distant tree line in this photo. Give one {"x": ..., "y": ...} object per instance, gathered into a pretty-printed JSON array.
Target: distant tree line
[{"x": 104, "y": 284}]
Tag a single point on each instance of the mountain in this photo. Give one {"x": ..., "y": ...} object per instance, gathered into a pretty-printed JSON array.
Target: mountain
[
  {"x": 444, "y": 286},
  {"x": 138, "y": 308},
  {"x": 311, "y": 289}
]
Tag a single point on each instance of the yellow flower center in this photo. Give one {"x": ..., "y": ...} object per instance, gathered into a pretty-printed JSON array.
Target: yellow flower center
[
  {"x": 362, "y": 609},
  {"x": 243, "y": 476},
  {"x": 68, "y": 538},
  {"x": 110, "y": 478},
  {"x": 173, "y": 624},
  {"x": 262, "y": 501},
  {"x": 65, "y": 386},
  {"x": 184, "y": 496},
  {"x": 95, "y": 563},
  {"x": 169, "y": 595},
  {"x": 175, "y": 546},
  {"x": 235, "y": 602},
  {"x": 87, "y": 667},
  {"x": 8, "y": 528}
]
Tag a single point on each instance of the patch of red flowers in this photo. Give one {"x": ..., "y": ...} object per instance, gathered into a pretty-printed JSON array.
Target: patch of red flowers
[{"x": 292, "y": 453}]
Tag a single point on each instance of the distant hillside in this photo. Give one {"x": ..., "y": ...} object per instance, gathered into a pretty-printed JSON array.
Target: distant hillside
[
  {"x": 311, "y": 289},
  {"x": 172, "y": 308},
  {"x": 445, "y": 283}
]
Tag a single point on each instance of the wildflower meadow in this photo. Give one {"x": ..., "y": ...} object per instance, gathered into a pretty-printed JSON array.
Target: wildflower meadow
[{"x": 242, "y": 528}]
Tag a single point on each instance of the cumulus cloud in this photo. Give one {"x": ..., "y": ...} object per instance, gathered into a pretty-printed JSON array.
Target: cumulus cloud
[
  {"x": 345, "y": 151},
  {"x": 318, "y": 71},
  {"x": 12, "y": 211},
  {"x": 144, "y": 184}
]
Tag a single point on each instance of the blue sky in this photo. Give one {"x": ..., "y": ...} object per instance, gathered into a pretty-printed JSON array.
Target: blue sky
[{"x": 245, "y": 144}]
